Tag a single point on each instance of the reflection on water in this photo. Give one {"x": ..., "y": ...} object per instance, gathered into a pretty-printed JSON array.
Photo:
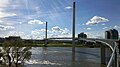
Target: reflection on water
[
  {"x": 62, "y": 57},
  {"x": 41, "y": 62},
  {"x": 49, "y": 57}
]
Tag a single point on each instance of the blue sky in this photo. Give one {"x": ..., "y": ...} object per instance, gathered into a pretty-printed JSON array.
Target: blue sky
[{"x": 26, "y": 18}]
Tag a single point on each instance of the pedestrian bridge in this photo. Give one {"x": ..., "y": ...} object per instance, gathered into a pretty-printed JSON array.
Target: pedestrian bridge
[{"x": 111, "y": 43}]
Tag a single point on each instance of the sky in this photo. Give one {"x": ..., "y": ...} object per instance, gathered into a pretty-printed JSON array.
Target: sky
[{"x": 27, "y": 18}]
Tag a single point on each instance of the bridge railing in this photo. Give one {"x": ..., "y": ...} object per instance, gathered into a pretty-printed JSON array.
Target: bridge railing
[
  {"x": 113, "y": 61},
  {"x": 111, "y": 43},
  {"x": 113, "y": 58}
]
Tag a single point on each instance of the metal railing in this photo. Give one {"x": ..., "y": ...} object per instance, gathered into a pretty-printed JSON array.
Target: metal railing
[
  {"x": 113, "y": 61},
  {"x": 113, "y": 57}
]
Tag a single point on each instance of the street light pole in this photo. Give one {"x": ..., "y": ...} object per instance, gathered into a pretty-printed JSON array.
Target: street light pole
[{"x": 73, "y": 33}]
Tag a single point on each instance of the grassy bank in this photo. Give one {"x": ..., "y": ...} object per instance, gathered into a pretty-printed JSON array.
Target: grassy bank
[{"x": 49, "y": 45}]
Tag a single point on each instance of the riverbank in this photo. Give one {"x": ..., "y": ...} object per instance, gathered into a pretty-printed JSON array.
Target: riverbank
[{"x": 50, "y": 45}]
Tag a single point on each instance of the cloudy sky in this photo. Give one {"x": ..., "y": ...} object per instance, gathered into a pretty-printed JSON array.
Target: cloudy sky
[{"x": 26, "y": 18}]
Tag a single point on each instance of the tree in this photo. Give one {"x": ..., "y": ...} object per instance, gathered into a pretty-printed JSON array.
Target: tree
[{"x": 14, "y": 56}]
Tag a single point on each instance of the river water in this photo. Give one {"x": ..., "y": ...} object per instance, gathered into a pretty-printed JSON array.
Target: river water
[{"x": 62, "y": 57}]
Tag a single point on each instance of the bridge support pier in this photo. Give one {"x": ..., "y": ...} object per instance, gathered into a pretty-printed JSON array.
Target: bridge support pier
[
  {"x": 115, "y": 61},
  {"x": 103, "y": 55}
]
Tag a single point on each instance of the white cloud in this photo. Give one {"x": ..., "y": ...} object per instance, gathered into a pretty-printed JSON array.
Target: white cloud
[
  {"x": 9, "y": 27},
  {"x": 89, "y": 28},
  {"x": 105, "y": 27},
  {"x": 56, "y": 29},
  {"x": 5, "y": 23},
  {"x": 59, "y": 32},
  {"x": 103, "y": 24},
  {"x": 8, "y": 23},
  {"x": 54, "y": 32},
  {"x": 20, "y": 22},
  {"x": 96, "y": 19},
  {"x": 100, "y": 37},
  {"x": 38, "y": 34},
  {"x": 2, "y": 27},
  {"x": 95, "y": 34},
  {"x": 83, "y": 24},
  {"x": 35, "y": 32},
  {"x": 116, "y": 27},
  {"x": 68, "y": 7},
  {"x": 4, "y": 14},
  {"x": 16, "y": 33},
  {"x": 35, "y": 22},
  {"x": 23, "y": 35},
  {"x": 65, "y": 32},
  {"x": 1, "y": 21},
  {"x": 4, "y": 3}
]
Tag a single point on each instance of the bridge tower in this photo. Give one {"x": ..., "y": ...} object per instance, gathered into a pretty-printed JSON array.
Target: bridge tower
[
  {"x": 46, "y": 41},
  {"x": 73, "y": 33}
]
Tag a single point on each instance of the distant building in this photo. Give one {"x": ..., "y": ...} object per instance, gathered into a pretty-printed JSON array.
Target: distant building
[
  {"x": 112, "y": 34},
  {"x": 107, "y": 35},
  {"x": 82, "y": 35},
  {"x": 13, "y": 38}
]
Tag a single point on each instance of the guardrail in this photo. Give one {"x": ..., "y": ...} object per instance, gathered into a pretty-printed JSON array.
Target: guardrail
[
  {"x": 113, "y": 61},
  {"x": 113, "y": 57}
]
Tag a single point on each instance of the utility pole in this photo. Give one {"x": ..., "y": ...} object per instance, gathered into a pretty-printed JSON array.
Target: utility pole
[
  {"x": 73, "y": 33},
  {"x": 46, "y": 35}
]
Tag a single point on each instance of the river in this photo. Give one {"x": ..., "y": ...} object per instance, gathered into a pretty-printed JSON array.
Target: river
[{"x": 62, "y": 57}]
